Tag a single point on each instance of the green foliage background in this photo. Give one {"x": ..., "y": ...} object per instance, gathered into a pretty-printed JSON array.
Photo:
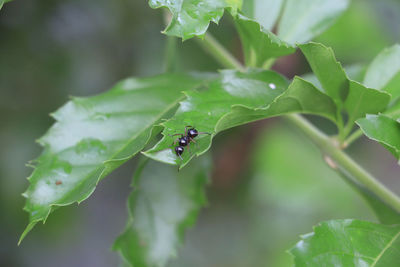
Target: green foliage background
[{"x": 53, "y": 49}]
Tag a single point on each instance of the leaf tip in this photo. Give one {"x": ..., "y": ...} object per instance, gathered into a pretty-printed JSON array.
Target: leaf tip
[
  {"x": 29, "y": 165},
  {"x": 28, "y": 228}
]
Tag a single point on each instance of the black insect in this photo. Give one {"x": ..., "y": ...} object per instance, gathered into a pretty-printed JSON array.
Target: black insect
[
  {"x": 185, "y": 140},
  {"x": 192, "y": 133},
  {"x": 179, "y": 150}
]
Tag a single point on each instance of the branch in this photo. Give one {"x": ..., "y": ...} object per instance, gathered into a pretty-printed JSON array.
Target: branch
[
  {"x": 213, "y": 47},
  {"x": 325, "y": 144},
  {"x": 348, "y": 165},
  {"x": 353, "y": 137}
]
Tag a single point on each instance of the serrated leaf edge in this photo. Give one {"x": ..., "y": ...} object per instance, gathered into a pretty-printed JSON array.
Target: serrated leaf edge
[
  {"x": 373, "y": 138},
  {"x": 267, "y": 32},
  {"x": 311, "y": 234},
  {"x": 276, "y": 100},
  {"x": 217, "y": 128},
  {"x": 199, "y": 34},
  {"x": 32, "y": 223}
]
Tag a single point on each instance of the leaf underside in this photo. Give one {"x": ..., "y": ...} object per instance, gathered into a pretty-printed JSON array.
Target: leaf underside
[
  {"x": 300, "y": 22},
  {"x": 163, "y": 204},
  {"x": 305, "y": 19},
  {"x": 384, "y": 72},
  {"x": 93, "y": 136},
  {"x": 266, "y": 12},
  {"x": 259, "y": 44},
  {"x": 384, "y": 130}
]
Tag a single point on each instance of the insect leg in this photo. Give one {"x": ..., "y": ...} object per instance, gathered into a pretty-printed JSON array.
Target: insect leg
[
  {"x": 187, "y": 126},
  {"x": 171, "y": 135},
  {"x": 176, "y": 140}
]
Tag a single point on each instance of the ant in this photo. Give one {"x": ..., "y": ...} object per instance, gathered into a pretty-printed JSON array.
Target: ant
[{"x": 185, "y": 140}]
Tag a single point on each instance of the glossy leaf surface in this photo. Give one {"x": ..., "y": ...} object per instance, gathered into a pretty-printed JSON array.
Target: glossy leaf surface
[
  {"x": 349, "y": 243},
  {"x": 94, "y": 135},
  {"x": 301, "y": 96},
  {"x": 384, "y": 72},
  {"x": 265, "y": 12},
  {"x": 305, "y": 19},
  {"x": 260, "y": 44},
  {"x": 253, "y": 96},
  {"x": 350, "y": 96},
  {"x": 164, "y": 202},
  {"x": 204, "y": 109},
  {"x": 191, "y": 17}
]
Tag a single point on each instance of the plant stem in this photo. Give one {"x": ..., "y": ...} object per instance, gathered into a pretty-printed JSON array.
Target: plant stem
[
  {"x": 171, "y": 51},
  {"x": 349, "y": 166},
  {"x": 171, "y": 54},
  {"x": 212, "y": 46},
  {"x": 326, "y": 144},
  {"x": 354, "y": 136},
  {"x": 268, "y": 63}
]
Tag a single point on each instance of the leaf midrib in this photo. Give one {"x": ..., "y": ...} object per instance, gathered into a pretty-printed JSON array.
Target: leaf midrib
[
  {"x": 112, "y": 158},
  {"x": 385, "y": 248}
]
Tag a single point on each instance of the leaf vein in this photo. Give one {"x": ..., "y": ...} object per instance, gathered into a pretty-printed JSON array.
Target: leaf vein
[{"x": 385, "y": 249}]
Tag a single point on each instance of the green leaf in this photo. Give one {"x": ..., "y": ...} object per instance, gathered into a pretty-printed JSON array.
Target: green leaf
[
  {"x": 301, "y": 96},
  {"x": 303, "y": 20},
  {"x": 2, "y": 2},
  {"x": 265, "y": 12},
  {"x": 95, "y": 135},
  {"x": 328, "y": 71},
  {"x": 358, "y": 34},
  {"x": 260, "y": 44},
  {"x": 350, "y": 96},
  {"x": 362, "y": 100},
  {"x": 355, "y": 72},
  {"x": 289, "y": 179},
  {"x": 191, "y": 17},
  {"x": 349, "y": 243},
  {"x": 394, "y": 110},
  {"x": 204, "y": 109},
  {"x": 233, "y": 99},
  {"x": 164, "y": 202},
  {"x": 384, "y": 72},
  {"x": 384, "y": 130}
]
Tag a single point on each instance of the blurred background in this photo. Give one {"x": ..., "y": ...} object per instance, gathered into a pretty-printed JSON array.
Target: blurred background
[{"x": 269, "y": 183}]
